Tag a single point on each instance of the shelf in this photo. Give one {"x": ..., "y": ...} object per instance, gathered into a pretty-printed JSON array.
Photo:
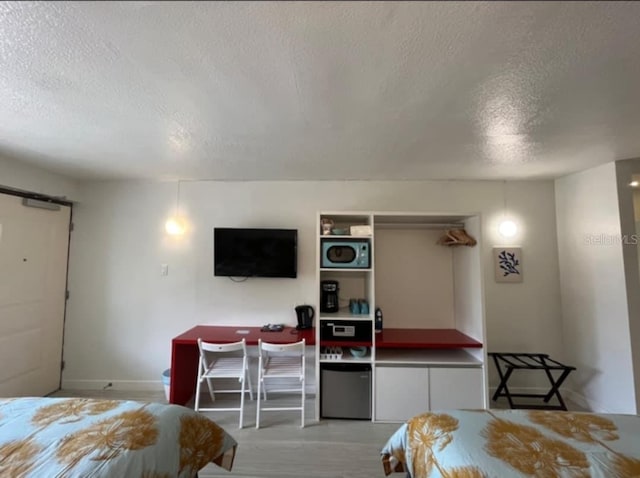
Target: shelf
[
  {"x": 453, "y": 357},
  {"x": 425, "y": 339},
  {"x": 348, "y": 358},
  {"x": 345, "y": 343},
  {"x": 419, "y": 219},
  {"x": 347, "y": 217},
  {"x": 344, "y": 314},
  {"x": 342, "y": 236},
  {"x": 337, "y": 269}
]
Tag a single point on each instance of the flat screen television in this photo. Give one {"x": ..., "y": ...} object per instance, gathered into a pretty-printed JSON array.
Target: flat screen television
[{"x": 255, "y": 252}]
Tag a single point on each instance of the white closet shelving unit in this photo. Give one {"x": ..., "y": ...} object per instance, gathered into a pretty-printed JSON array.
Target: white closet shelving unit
[{"x": 428, "y": 356}]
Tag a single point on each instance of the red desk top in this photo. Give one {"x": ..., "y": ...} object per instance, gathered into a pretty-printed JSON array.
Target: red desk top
[
  {"x": 228, "y": 334},
  {"x": 424, "y": 339}
]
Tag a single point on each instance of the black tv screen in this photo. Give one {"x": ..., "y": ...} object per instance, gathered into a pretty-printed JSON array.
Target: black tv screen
[{"x": 255, "y": 252}]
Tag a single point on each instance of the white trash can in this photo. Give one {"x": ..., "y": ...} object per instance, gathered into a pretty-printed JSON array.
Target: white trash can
[{"x": 166, "y": 381}]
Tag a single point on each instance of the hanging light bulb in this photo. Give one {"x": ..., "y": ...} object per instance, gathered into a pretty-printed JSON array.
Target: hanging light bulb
[
  {"x": 508, "y": 228},
  {"x": 175, "y": 225}
]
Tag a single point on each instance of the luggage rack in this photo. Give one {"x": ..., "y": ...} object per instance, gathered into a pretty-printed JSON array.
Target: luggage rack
[{"x": 506, "y": 363}]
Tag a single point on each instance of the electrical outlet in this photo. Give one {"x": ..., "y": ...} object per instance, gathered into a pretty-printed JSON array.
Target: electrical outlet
[{"x": 164, "y": 269}]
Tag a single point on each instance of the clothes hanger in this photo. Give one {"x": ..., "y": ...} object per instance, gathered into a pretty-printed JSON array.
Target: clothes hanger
[
  {"x": 464, "y": 238},
  {"x": 456, "y": 237}
]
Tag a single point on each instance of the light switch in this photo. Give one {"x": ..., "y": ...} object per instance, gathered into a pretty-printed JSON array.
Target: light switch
[{"x": 164, "y": 269}]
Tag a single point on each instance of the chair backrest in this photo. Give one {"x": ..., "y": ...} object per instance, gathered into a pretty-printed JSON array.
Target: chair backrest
[
  {"x": 296, "y": 348},
  {"x": 212, "y": 347}
]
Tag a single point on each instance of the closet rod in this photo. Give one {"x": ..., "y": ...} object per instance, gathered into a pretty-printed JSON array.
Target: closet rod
[{"x": 397, "y": 225}]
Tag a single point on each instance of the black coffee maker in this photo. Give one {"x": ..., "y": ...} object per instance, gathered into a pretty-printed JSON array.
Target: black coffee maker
[
  {"x": 329, "y": 296},
  {"x": 305, "y": 315}
]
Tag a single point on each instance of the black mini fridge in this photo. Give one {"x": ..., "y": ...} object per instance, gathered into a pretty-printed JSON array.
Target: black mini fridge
[{"x": 346, "y": 391}]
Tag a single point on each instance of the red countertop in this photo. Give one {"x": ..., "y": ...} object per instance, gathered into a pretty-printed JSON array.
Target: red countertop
[
  {"x": 228, "y": 334},
  {"x": 424, "y": 339}
]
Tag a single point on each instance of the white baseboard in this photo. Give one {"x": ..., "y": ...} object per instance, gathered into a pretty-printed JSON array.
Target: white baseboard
[
  {"x": 567, "y": 393},
  {"x": 135, "y": 385},
  {"x": 125, "y": 385},
  {"x": 538, "y": 390},
  {"x": 586, "y": 403}
]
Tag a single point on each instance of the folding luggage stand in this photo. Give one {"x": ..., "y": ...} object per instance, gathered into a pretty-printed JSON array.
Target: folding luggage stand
[{"x": 506, "y": 363}]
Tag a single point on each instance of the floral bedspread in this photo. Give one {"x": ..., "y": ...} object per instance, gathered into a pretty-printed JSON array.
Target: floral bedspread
[
  {"x": 515, "y": 443},
  {"x": 73, "y": 437}
]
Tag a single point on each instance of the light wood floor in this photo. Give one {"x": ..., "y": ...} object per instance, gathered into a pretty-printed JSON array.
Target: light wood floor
[{"x": 281, "y": 449}]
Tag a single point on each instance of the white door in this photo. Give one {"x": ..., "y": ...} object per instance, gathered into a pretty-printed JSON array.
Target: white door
[{"x": 34, "y": 244}]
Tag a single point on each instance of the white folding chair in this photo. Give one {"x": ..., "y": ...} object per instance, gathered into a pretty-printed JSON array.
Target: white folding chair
[
  {"x": 281, "y": 361},
  {"x": 223, "y": 361}
]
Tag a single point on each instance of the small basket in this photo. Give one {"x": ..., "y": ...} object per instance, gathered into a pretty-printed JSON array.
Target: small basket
[{"x": 331, "y": 353}]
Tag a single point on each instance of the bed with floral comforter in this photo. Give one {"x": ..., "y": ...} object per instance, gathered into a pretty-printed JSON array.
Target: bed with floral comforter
[
  {"x": 79, "y": 437},
  {"x": 515, "y": 443}
]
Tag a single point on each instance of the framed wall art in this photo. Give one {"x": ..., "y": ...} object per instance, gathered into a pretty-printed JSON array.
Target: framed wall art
[{"x": 508, "y": 264}]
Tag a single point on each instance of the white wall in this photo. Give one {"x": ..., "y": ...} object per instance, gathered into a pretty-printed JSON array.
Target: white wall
[
  {"x": 123, "y": 313},
  {"x": 19, "y": 175},
  {"x": 594, "y": 301},
  {"x": 414, "y": 279}
]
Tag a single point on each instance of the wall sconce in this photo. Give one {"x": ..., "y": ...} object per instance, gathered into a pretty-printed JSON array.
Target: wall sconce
[
  {"x": 175, "y": 225},
  {"x": 507, "y": 227}
]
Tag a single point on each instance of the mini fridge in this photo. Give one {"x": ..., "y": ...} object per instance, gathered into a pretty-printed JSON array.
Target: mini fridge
[{"x": 345, "y": 391}]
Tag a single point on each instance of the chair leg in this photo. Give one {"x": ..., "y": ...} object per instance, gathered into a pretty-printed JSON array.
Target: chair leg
[
  {"x": 303, "y": 392},
  {"x": 197, "y": 404},
  {"x": 258, "y": 404},
  {"x": 264, "y": 383},
  {"x": 242, "y": 380},
  {"x": 248, "y": 375}
]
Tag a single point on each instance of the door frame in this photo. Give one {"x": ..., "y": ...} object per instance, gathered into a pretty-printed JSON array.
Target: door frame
[{"x": 61, "y": 200}]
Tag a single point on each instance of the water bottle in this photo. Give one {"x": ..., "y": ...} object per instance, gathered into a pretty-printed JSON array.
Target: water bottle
[{"x": 378, "y": 320}]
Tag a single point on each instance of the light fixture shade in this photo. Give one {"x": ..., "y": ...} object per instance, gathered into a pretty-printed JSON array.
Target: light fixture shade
[
  {"x": 508, "y": 228},
  {"x": 174, "y": 226}
]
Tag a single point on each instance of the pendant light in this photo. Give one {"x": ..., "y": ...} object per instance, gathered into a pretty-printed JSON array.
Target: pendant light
[
  {"x": 175, "y": 224},
  {"x": 507, "y": 227}
]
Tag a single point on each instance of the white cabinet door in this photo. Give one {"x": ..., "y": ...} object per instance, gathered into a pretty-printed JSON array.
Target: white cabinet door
[
  {"x": 401, "y": 392},
  {"x": 456, "y": 388}
]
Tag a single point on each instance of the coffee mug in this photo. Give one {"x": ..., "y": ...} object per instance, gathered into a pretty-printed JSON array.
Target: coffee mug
[
  {"x": 364, "y": 307},
  {"x": 354, "y": 306}
]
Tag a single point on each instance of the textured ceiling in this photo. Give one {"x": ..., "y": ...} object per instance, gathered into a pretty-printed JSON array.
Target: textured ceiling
[{"x": 319, "y": 90}]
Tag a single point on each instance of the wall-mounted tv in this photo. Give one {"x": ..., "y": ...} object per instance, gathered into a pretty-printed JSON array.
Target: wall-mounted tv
[{"x": 255, "y": 252}]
